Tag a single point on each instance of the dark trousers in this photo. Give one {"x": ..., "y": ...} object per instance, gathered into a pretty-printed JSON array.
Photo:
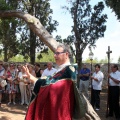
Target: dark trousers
[
  {"x": 95, "y": 98},
  {"x": 114, "y": 101}
]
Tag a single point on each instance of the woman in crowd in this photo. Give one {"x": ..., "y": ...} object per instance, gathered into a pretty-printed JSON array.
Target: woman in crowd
[
  {"x": 23, "y": 85},
  {"x": 6, "y": 68},
  {"x": 38, "y": 70},
  {"x": 31, "y": 85},
  {"x": 11, "y": 86}
]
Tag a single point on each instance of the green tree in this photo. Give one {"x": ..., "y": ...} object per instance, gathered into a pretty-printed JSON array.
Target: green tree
[
  {"x": 49, "y": 56},
  {"x": 8, "y": 37},
  {"x": 27, "y": 38},
  {"x": 41, "y": 10},
  {"x": 115, "y": 6},
  {"x": 89, "y": 61},
  {"x": 105, "y": 60},
  {"x": 88, "y": 25}
]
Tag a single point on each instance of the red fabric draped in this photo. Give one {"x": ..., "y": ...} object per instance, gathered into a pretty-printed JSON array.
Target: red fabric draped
[{"x": 54, "y": 102}]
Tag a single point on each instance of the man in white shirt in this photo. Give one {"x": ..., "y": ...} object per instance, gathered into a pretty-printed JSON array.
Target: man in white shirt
[
  {"x": 49, "y": 70},
  {"x": 97, "y": 79},
  {"x": 114, "y": 81}
]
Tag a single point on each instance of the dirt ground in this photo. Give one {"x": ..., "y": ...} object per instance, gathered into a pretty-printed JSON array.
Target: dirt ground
[
  {"x": 12, "y": 112},
  {"x": 17, "y": 112}
]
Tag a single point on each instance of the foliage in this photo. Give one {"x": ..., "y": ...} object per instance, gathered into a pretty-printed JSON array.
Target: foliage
[
  {"x": 8, "y": 38},
  {"x": 41, "y": 10},
  {"x": 115, "y": 6},
  {"x": 47, "y": 57},
  {"x": 25, "y": 39},
  {"x": 104, "y": 60},
  {"x": 88, "y": 25},
  {"x": 95, "y": 60},
  {"x": 18, "y": 58},
  {"x": 3, "y": 5},
  {"x": 8, "y": 31}
]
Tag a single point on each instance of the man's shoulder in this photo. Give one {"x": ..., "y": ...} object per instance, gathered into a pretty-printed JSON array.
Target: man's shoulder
[
  {"x": 45, "y": 70},
  {"x": 54, "y": 69},
  {"x": 117, "y": 72},
  {"x": 101, "y": 73},
  {"x": 2, "y": 69},
  {"x": 71, "y": 67},
  {"x": 87, "y": 69}
]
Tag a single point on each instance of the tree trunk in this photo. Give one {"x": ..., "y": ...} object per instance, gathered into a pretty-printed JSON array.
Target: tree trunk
[
  {"x": 32, "y": 47},
  {"x": 5, "y": 54},
  {"x": 79, "y": 62}
]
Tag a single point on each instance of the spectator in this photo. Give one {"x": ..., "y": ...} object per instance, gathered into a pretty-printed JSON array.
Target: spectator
[
  {"x": 84, "y": 80},
  {"x": 31, "y": 84},
  {"x": 45, "y": 66},
  {"x": 49, "y": 70},
  {"x": 22, "y": 85},
  {"x": 11, "y": 86},
  {"x": 6, "y": 67},
  {"x": 38, "y": 70},
  {"x": 114, "y": 82},
  {"x": 97, "y": 79}
]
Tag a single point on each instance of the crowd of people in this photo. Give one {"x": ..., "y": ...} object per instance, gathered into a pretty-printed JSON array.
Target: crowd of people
[
  {"x": 33, "y": 83},
  {"x": 18, "y": 82}
]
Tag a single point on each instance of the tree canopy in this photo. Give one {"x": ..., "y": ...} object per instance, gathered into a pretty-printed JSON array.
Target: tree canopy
[
  {"x": 88, "y": 25},
  {"x": 28, "y": 40},
  {"x": 115, "y": 6},
  {"x": 34, "y": 24}
]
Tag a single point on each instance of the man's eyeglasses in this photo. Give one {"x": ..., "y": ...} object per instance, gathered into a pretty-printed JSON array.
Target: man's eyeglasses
[{"x": 57, "y": 53}]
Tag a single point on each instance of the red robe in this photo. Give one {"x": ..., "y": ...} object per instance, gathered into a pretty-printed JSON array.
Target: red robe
[{"x": 54, "y": 102}]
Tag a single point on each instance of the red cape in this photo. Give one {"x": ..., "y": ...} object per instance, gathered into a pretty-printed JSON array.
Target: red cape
[{"x": 53, "y": 102}]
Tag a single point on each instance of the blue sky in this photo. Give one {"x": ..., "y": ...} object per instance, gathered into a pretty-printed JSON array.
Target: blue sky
[{"x": 111, "y": 37}]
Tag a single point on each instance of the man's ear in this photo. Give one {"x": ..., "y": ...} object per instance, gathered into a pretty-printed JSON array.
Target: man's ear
[{"x": 67, "y": 53}]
